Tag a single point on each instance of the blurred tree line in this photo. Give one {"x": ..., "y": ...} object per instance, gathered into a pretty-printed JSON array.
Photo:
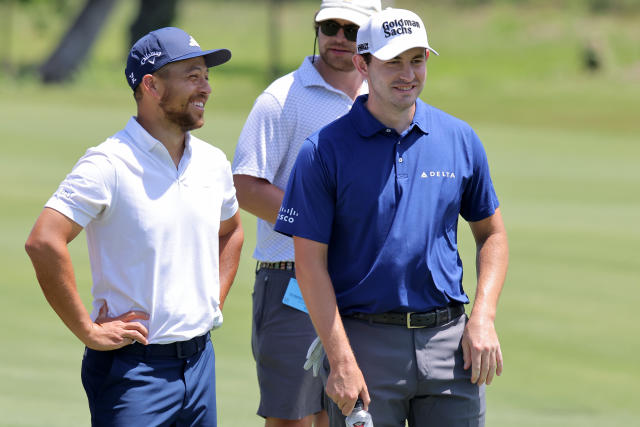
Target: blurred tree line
[
  {"x": 593, "y": 5},
  {"x": 88, "y": 17},
  {"x": 84, "y": 29}
]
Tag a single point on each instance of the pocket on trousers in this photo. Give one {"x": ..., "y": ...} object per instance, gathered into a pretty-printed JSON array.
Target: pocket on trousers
[
  {"x": 259, "y": 299},
  {"x": 96, "y": 366}
]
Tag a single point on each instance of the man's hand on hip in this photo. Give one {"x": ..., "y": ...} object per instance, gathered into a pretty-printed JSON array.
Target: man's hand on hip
[{"x": 111, "y": 333}]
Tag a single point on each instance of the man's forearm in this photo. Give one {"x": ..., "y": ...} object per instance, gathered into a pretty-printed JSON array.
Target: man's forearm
[
  {"x": 345, "y": 382},
  {"x": 230, "y": 247},
  {"x": 55, "y": 275},
  {"x": 320, "y": 300},
  {"x": 47, "y": 248},
  {"x": 480, "y": 344},
  {"x": 258, "y": 197},
  {"x": 492, "y": 260}
]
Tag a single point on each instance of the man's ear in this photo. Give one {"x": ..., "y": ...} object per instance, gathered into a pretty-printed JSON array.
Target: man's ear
[
  {"x": 361, "y": 65},
  {"x": 149, "y": 85}
]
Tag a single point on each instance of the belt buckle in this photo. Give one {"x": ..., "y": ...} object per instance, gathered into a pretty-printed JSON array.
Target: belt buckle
[
  {"x": 409, "y": 325},
  {"x": 442, "y": 316},
  {"x": 180, "y": 353}
]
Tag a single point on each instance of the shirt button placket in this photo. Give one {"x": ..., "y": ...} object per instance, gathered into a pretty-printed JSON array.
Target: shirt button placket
[{"x": 401, "y": 158}]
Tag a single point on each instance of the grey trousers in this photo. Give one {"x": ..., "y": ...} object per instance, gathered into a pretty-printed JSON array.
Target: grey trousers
[
  {"x": 413, "y": 375},
  {"x": 280, "y": 338}
]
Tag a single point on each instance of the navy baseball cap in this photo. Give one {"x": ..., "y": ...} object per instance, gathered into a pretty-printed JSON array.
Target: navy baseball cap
[{"x": 160, "y": 47}]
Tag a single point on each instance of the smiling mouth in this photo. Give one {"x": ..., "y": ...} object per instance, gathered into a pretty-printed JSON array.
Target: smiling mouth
[
  {"x": 198, "y": 104},
  {"x": 404, "y": 88}
]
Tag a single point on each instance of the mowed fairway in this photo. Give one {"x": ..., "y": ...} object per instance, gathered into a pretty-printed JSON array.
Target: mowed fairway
[{"x": 563, "y": 147}]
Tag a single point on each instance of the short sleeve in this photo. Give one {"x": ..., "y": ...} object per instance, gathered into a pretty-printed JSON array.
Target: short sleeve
[
  {"x": 308, "y": 207},
  {"x": 263, "y": 141},
  {"x": 229, "y": 202},
  {"x": 479, "y": 199},
  {"x": 87, "y": 192}
]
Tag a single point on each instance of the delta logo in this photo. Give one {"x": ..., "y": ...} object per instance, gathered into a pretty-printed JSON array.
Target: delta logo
[{"x": 438, "y": 174}]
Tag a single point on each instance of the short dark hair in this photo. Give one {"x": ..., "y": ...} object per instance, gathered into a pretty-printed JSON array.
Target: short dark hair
[{"x": 367, "y": 57}]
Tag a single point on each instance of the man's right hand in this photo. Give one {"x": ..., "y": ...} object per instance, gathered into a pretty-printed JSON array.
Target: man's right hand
[
  {"x": 111, "y": 333},
  {"x": 345, "y": 384}
]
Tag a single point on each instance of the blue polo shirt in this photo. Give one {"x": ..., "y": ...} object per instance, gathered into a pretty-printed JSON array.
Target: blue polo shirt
[{"x": 387, "y": 206}]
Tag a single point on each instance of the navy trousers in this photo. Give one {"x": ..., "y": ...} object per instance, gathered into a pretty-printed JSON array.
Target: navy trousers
[{"x": 126, "y": 389}]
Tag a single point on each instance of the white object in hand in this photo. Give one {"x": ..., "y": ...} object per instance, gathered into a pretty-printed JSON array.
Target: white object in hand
[{"x": 359, "y": 417}]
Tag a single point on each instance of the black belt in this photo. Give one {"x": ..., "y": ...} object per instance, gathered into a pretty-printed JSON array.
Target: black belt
[
  {"x": 429, "y": 319},
  {"x": 174, "y": 350},
  {"x": 279, "y": 265}
]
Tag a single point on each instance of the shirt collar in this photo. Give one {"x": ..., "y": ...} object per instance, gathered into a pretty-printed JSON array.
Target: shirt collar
[
  {"x": 139, "y": 135},
  {"x": 367, "y": 125},
  {"x": 422, "y": 118},
  {"x": 363, "y": 120},
  {"x": 310, "y": 76},
  {"x": 143, "y": 139}
]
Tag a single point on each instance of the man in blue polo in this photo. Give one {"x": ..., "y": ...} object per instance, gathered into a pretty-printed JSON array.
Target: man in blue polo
[{"x": 373, "y": 204}]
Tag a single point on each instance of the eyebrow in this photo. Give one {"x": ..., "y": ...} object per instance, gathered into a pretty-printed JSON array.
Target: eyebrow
[{"x": 196, "y": 67}]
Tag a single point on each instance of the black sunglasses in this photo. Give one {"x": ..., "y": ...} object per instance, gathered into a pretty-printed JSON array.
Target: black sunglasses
[{"x": 331, "y": 28}]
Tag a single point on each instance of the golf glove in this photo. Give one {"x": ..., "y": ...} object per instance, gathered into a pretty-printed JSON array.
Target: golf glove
[{"x": 315, "y": 356}]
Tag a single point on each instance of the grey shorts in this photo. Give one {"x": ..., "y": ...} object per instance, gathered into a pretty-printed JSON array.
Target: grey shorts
[
  {"x": 280, "y": 338},
  {"x": 415, "y": 375}
]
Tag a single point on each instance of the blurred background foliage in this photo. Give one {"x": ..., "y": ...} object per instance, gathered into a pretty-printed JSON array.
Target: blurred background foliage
[{"x": 46, "y": 23}]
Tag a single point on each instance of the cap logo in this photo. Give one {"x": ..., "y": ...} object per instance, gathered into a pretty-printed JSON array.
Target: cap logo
[
  {"x": 363, "y": 47},
  {"x": 193, "y": 42},
  {"x": 133, "y": 78},
  {"x": 398, "y": 27},
  {"x": 150, "y": 57}
]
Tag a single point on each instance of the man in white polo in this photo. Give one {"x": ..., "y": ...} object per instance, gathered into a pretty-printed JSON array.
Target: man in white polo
[
  {"x": 290, "y": 109},
  {"x": 164, "y": 239}
]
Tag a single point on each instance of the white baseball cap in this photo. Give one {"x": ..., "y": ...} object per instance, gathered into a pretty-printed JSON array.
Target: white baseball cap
[
  {"x": 356, "y": 11},
  {"x": 390, "y": 32}
]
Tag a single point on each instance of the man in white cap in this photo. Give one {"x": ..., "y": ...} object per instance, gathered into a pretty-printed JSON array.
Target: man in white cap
[
  {"x": 373, "y": 204},
  {"x": 289, "y": 110}
]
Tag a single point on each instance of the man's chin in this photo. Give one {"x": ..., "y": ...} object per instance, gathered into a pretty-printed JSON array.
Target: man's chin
[
  {"x": 339, "y": 63},
  {"x": 188, "y": 123},
  {"x": 340, "y": 66},
  {"x": 196, "y": 125}
]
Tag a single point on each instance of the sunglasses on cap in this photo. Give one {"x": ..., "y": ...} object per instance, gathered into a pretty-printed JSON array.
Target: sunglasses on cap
[{"x": 331, "y": 28}]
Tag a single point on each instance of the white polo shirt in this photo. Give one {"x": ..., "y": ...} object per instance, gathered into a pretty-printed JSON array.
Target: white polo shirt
[
  {"x": 283, "y": 116},
  {"x": 152, "y": 229}
]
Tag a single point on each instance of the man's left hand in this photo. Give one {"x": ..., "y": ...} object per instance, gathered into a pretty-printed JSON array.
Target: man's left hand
[{"x": 481, "y": 350}]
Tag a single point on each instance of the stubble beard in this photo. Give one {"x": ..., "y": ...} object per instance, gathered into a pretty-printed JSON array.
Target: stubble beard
[
  {"x": 335, "y": 63},
  {"x": 180, "y": 117}
]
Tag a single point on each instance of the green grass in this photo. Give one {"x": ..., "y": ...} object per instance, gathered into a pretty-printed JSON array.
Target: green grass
[{"x": 563, "y": 147}]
